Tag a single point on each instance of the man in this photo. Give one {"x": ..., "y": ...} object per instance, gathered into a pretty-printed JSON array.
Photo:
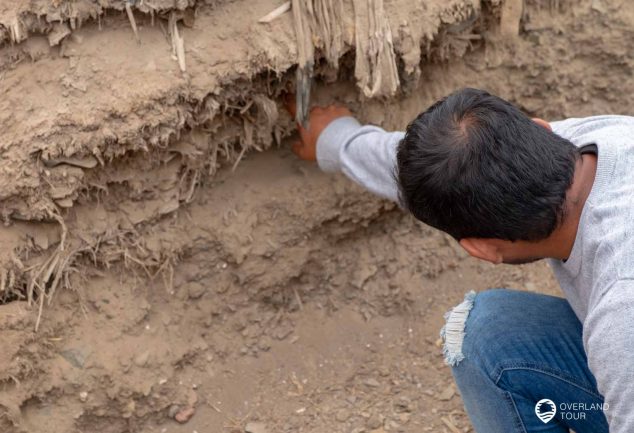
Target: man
[{"x": 513, "y": 190}]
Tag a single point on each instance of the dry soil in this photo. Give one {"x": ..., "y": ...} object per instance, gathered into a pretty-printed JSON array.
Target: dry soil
[{"x": 165, "y": 256}]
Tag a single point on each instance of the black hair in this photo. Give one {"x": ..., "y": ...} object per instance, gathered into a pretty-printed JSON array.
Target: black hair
[{"x": 474, "y": 165}]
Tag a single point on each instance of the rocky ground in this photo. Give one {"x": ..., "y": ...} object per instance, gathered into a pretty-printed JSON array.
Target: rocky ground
[{"x": 169, "y": 266}]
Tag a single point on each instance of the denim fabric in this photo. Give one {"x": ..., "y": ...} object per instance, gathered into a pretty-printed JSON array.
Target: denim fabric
[{"x": 520, "y": 348}]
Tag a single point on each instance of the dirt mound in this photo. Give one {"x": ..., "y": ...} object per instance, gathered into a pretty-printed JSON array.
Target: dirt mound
[
  {"x": 90, "y": 110},
  {"x": 154, "y": 249}
]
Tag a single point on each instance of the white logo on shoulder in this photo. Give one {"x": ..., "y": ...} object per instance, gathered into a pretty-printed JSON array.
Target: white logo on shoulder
[{"x": 545, "y": 410}]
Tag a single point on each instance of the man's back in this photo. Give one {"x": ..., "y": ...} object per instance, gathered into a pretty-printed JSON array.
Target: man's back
[
  {"x": 604, "y": 248},
  {"x": 597, "y": 277}
]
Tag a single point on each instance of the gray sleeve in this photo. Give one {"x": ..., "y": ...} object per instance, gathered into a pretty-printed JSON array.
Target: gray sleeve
[
  {"x": 563, "y": 127},
  {"x": 609, "y": 340},
  {"x": 366, "y": 154},
  {"x": 580, "y": 130}
]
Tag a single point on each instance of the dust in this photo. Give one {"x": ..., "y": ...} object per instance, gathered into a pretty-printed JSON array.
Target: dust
[{"x": 179, "y": 264}]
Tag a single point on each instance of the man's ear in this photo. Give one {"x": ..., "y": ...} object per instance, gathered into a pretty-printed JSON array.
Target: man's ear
[
  {"x": 482, "y": 249},
  {"x": 542, "y": 122}
]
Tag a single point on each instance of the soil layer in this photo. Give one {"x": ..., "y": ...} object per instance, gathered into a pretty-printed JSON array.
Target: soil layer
[{"x": 166, "y": 257}]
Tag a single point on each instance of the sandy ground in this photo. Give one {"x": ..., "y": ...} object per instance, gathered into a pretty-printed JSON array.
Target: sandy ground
[
  {"x": 335, "y": 331},
  {"x": 178, "y": 261}
]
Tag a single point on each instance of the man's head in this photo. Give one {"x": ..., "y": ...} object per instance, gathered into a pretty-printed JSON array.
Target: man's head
[{"x": 476, "y": 167}]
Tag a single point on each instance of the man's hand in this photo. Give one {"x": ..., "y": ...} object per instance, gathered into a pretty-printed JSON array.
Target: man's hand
[{"x": 318, "y": 119}]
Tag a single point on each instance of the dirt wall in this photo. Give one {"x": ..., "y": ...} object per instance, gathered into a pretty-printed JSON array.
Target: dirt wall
[
  {"x": 156, "y": 244},
  {"x": 88, "y": 111}
]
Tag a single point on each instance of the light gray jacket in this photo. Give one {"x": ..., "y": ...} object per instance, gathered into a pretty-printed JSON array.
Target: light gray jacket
[{"x": 597, "y": 278}]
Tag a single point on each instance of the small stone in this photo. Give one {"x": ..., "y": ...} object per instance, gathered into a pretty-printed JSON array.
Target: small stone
[
  {"x": 192, "y": 398},
  {"x": 83, "y": 396},
  {"x": 447, "y": 394},
  {"x": 342, "y": 415},
  {"x": 391, "y": 425},
  {"x": 185, "y": 415},
  {"x": 173, "y": 410},
  {"x": 141, "y": 359},
  {"x": 76, "y": 357},
  {"x": 371, "y": 382},
  {"x": 129, "y": 409},
  {"x": 59, "y": 32},
  {"x": 255, "y": 427},
  {"x": 599, "y": 6},
  {"x": 374, "y": 422},
  {"x": 282, "y": 331},
  {"x": 195, "y": 290},
  {"x": 403, "y": 404},
  {"x": 530, "y": 286},
  {"x": 404, "y": 417},
  {"x": 264, "y": 343}
]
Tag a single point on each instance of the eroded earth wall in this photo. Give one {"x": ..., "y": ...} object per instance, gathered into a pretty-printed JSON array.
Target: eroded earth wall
[{"x": 135, "y": 179}]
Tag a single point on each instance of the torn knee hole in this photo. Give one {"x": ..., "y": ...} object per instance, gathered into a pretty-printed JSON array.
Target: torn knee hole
[{"x": 453, "y": 332}]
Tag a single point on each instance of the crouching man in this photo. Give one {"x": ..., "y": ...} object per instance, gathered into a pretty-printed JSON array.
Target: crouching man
[{"x": 511, "y": 189}]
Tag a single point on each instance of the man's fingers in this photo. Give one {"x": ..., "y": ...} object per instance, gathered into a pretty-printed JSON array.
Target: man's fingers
[
  {"x": 303, "y": 151},
  {"x": 297, "y": 147},
  {"x": 290, "y": 102},
  {"x": 291, "y": 105}
]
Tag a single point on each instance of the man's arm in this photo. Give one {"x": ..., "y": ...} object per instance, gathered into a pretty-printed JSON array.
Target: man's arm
[
  {"x": 609, "y": 337},
  {"x": 366, "y": 154},
  {"x": 339, "y": 143}
]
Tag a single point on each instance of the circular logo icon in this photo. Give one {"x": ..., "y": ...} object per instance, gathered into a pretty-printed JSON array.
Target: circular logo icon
[{"x": 545, "y": 410}]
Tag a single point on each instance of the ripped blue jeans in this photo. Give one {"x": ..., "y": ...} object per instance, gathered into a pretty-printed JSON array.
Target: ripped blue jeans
[{"x": 518, "y": 360}]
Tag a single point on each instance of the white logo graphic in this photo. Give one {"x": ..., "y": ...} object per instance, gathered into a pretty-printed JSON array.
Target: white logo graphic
[{"x": 545, "y": 410}]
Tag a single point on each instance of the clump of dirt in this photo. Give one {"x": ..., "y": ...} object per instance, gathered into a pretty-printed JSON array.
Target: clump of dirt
[
  {"x": 117, "y": 112},
  {"x": 166, "y": 259}
]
